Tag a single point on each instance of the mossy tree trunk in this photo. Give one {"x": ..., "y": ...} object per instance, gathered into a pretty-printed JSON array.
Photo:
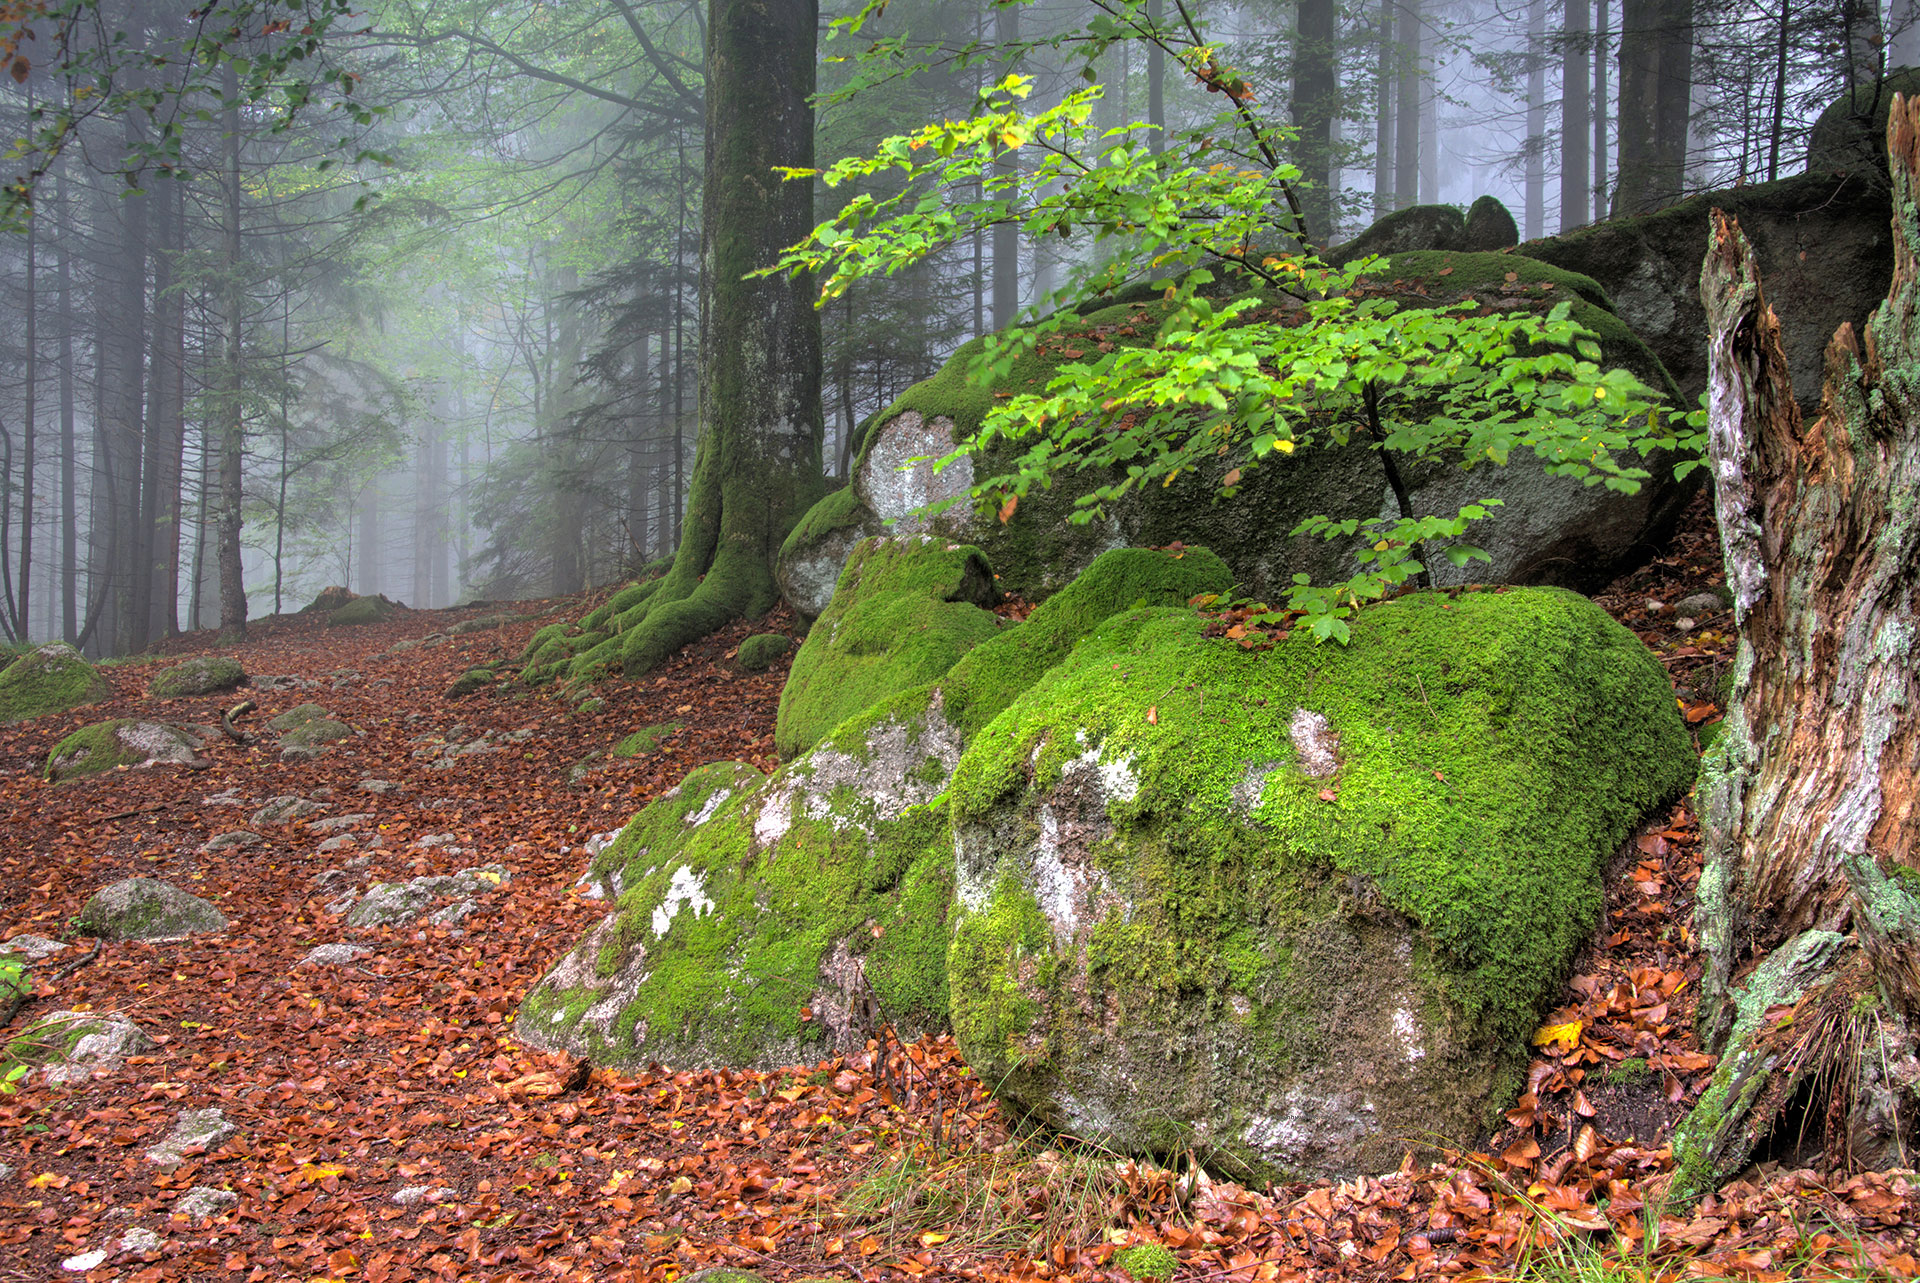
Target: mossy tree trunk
[
  {"x": 757, "y": 465},
  {"x": 1807, "y": 803}
]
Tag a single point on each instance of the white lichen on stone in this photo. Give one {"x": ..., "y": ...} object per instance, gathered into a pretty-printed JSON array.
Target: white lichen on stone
[
  {"x": 1407, "y": 1029},
  {"x": 898, "y": 479},
  {"x": 687, "y": 890},
  {"x": 1315, "y": 745}
]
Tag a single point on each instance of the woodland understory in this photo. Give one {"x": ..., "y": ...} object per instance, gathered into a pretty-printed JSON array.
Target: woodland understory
[{"x": 349, "y": 1083}]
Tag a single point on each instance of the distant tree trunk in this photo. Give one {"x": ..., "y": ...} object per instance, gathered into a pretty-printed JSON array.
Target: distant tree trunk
[
  {"x": 1903, "y": 33},
  {"x": 1006, "y": 236},
  {"x": 757, "y": 467},
  {"x": 1656, "y": 93},
  {"x": 1602, "y": 189},
  {"x": 1535, "y": 217},
  {"x": 69, "y": 444},
  {"x": 1412, "y": 92},
  {"x": 28, "y": 406},
  {"x": 1383, "y": 120},
  {"x": 170, "y": 317},
  {"x": 1315, "y": 93},
  {"x": 1862, "y": 41},
  {"x": 1811, "y": 798},
  {"x": 233, "y": 586},
  {"x": 1777, "y": 132},
  {"x": 120, "y": 340},
  {"x": 1574, "y": 111},
  {"x": 368, "y": 541},
  {"x": 1156, "y": 82}
]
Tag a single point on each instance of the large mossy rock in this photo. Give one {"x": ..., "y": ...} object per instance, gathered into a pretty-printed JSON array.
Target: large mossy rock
[
  {"x": 906, "y": 609},
  {"x": 146, "y": 909},
  {"x": 764, "y": 920},
  {"x": 1822, "y": 239},
  {"x": 201, "y": 675},
  {"x": 1850, "y": 136},
  {"x": 49, "y": 679},
  {"x": 129, "y": 742},
  {"x": 1298, "y": 909},
  {"x": 1550, "y": 530}
]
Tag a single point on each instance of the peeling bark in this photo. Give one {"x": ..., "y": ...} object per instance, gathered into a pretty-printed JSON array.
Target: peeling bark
[{"x": 1807, "y": 803}]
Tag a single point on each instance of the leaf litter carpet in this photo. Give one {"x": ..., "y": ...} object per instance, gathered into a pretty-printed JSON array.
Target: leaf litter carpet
[{"x": 397, "y": 1074}]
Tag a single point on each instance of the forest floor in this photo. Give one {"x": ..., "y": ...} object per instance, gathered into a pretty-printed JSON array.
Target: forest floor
[{"x": 398, "y": 1073}]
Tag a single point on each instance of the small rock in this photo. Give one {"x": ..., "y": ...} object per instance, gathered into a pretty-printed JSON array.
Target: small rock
[
  {"x": 146, "y": 909},
  {"x": 412, "y": 1194},
  {"x": 432, "y": 840},
  {"x": 380, "y": 787},
  {"x": 85, "y": 1261},
  {"x": 35, "y": 947},
  {"x": 203, "y": 1128},
  {"x": 285, "y": 809},
  {"x": 333, "y": 955},
  {"x": 336, "y": 823},
  {"x": 228, "y": 841},
  {"x": 301, "y": 752},
  {"x": 453, "y": 914},
  {"x": 142, "y": 1240},
  {"x": 204, "y": 1201},
  {"x": 83, "y": 1041},
  {"x": 201, "y": 675},
  {"x": 1700, "y": 605},
  {"x": 387, "y": 903},
  {"x": 340, "y": 842}
]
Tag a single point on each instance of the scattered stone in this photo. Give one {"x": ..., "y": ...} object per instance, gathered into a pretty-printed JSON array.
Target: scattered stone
[
  {"x": 201, "y": 675},
  {"x": 333, "y": 955},
  {"x": 146, "y": 909},
  {"x": 49, "y": 679},
  {"x": 206, "y": 1129},
  {"x": 297, "y": 716},
  {"x": 331, "y": 598},
  {"x": 139, "y": 1239},
  {"x": 34, "y": 947},
  {"x": 453, "y": 913},
  {"x": 646, "y": 739},
  {"x": 362, "y": 610},
  {"x": 336, "y": 823},
  {"x": 314, "y": 733},
  {"x": 72, "y": 1044},
  {"x": 225, "y": 797},
  {"x": 380, "y": 788},
  {"x": 1700, "y": 604},
  {"x": 283, "y": 682},
  {"x": 203, "y": 1202},
  {"x": 229, "y": 841},
  {"x": 395, "y": 903},
  {"x": 429, "y": 841},
  {"x": 84, "y": 1261},
  {"x": 339, "y": 842},
  {"x": 127, "y": 742},
  {"x": 590, "y": 705},
  {"x": 413, "y": 1194}
]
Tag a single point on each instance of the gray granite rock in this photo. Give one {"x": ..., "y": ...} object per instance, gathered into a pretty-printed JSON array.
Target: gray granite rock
[
  {"x": 146, "y": 909},
  {"x": 205, "y": 1128}
]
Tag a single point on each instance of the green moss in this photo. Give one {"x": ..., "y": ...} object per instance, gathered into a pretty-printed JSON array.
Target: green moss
[
  {"x": 541, "y": 636},
  {"x": 896, "y": 621},
  {"x": 92, "y": 750},
  {"x": 362, "y": 610},
  {"x": 1493, "y": 750},
  {"x": 50, "y": 679},
  {"x": 297, "y": 716},
  {"x": 646, "y": 739},
  {"x": 762, "y": 651},
  {"x": 749, "y": 929},
  {"x": 472, "y": 680},
  {"x": 197, "y": 676},
  {"x": 1627, "y": 1073},
  {"x": 1147, "y": 1261},
  {"x": 634, "y": 594},
  {"x": 839, "y": 510}
]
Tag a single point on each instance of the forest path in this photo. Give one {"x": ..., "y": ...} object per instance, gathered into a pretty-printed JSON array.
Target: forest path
[{"x": 388, "y": 1127}]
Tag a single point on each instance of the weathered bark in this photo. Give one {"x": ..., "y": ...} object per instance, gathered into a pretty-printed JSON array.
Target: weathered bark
[
  {"x": 757, "y": 464},
  {"x": 1412, "y": 92},
  {"x": 233, "y": 440},
  {"x": 1807, "y": 801},
  {"x": 1574, "y": 112}
]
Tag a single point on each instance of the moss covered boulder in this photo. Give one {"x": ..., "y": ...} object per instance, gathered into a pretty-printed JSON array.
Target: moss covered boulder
[
  {"x": 362, "y": 610},
  {"x": 906, "y": 609},
  {"x": 767, "y": 919},
  {"x": 201, "y": 675},
  {"x": 1550, "y": 530},
  {"x": 123, "y": 741},
  {"x": 1297, "y": 909},
  {"x": 49, "y": 679},
  {"x": 146, "y": 909},
  {"x": 762, "y": 651}
]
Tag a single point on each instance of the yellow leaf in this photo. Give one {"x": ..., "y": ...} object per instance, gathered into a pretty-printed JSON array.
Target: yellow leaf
[
  {"x": 1568, "y": 1033},
  {"x": 933, "y": 1239},
  {"x": 680, "y": 1185},
  {"x": 1283, "y": 446}
]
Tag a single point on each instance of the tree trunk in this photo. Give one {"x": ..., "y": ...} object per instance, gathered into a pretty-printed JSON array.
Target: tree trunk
[
  {"x": 757, "y": 466},
  {"x": 1534, "y": 215},
  {"x": 1601, "y": 187},
  {"x": 1316, "y": 88},
  {"x": 69, "y": 444},
  {"x": 1903, "y": 25},
  {"x": 1383, "y": 151},
  {"x": 1656, "y": 88},
  {"x": 1006, "y": 236},
  {"x": 1573, "y": 117},
  {"x": 233, "y": 587},
  {"x": 1808, "y": 800},
  {"x": 1412, "y": 92}
]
